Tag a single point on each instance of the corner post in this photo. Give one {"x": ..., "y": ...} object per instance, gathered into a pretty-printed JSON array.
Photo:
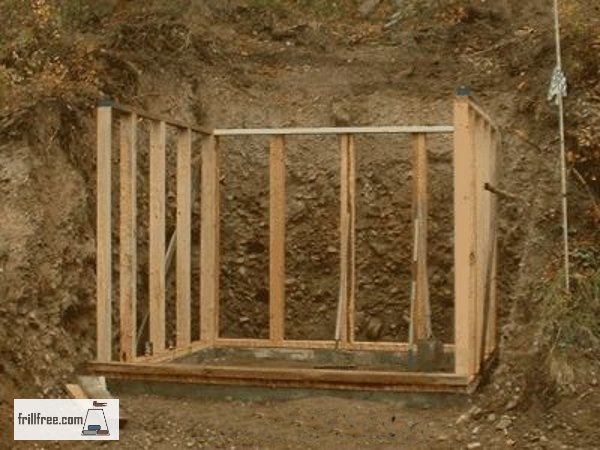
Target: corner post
[{"x": 465, "y": 243}]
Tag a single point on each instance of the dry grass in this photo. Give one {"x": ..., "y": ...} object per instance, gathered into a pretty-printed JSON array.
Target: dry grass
[{"x": 571, "y": 323}]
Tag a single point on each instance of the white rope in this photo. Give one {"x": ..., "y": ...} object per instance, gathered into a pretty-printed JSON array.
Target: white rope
[{"x": 558, "y": 90}]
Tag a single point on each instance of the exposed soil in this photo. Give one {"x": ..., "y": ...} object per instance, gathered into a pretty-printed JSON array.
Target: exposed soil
[{"x": 240, "y": 64}]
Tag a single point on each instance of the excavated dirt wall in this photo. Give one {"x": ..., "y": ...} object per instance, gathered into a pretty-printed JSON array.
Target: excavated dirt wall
[{"x": 236, "y": 64}]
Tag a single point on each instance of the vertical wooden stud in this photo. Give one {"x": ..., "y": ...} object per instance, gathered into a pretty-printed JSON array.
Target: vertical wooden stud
[
  {"x": 478, "y": 128},
  {"x": 103, "y": 236},
  {"x": 488, "y": 241},
  {"x": 487, "y": 256},
  {"x": 128, "y": 237},
  {"x": 420, "y": 307},
  {"x": 209, "y": 241},
  {"x": 157, "y": 235},
  {"x": 352, "y": 238},
  {"x": 344, "y": 324},
  {"x": 493, "y": 309},
  {"x": 277, "y": 240},
  {"x": 184, "y": 236},
  {"x": 465, "y": 251},
  {"x": 484, "y": 234}
]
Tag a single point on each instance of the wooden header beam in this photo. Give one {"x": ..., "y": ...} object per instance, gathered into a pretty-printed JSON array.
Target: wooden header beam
[{"x": 333, "y": 130}]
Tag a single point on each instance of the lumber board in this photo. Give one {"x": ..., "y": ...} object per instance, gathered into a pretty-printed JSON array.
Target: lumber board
[
  {"x": 486, "y": 219},
  {"x": 95, "y": 387},
  {"x": 496, "y": 176},
  {"x": 128, "y": 238},
  {"x": 486, "y": 255},
  {"x": 277, "y": 239},
  {"x": 342, "y": 326},
  {"x": 391, "y": 346},
  {"x": 157, "y": 235},
  {"x": 158, "y": 118},
  {"x": 420, "y": 306},
  {"x": 284, "y": 377},
  {"x": 267, "y": 343},
  {"x": 482, "y": 114},
  {"x": 350, "y": 310},
  {"x": 332, "y": 130},
  {"x": 103, "y": 235},
  {"x": 209, "y": 241},
  {"x": 184, "y": 237},
  {"x": 76, "y": 392},
  {"x": 479, "y": 156},
  {"x": 492, "y": 317},
  {"x": 329, "y": 344},
  {"x": 465, "y": 256}
]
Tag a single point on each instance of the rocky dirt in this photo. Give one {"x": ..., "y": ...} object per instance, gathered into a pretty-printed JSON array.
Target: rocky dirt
[{"x": 244, "y": 64}]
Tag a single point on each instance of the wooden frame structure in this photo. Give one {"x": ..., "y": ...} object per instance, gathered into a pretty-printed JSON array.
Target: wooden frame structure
[{"x": 475, "y": 156}]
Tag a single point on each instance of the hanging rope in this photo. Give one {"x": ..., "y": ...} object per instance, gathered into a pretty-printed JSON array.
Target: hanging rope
[{"x": 557, "y": 92}]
